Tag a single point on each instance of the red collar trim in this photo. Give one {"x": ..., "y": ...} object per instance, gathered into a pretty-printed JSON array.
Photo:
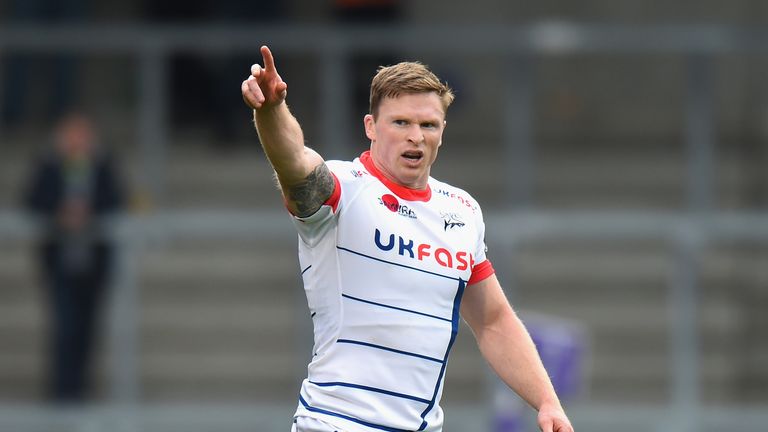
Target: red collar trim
[{"x": 399, "y": 190}]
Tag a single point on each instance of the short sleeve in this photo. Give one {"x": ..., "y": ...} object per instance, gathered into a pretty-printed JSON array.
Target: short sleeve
[
  {"x": 482, "y": 267},
  {"x": 312, "y": 228}
]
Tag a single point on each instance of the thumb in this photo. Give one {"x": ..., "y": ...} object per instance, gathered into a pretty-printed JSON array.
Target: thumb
[
  {"x": 545, "y": 425},
  {"x": 282, "y": 89}
]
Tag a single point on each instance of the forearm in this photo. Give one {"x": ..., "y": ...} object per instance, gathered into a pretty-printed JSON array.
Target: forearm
[
  {"x": 508, "y": 348},
  {"x": 304, "y": 178},
  {"x": 283, "y": 142}
]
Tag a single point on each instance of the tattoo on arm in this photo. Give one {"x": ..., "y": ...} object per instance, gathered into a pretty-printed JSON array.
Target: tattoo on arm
[{"x": 310, "y": 194}]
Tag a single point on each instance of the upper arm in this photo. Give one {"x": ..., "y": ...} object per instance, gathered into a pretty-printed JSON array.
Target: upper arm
[
  {"x": 484, "y": 304},
  {"x": 306, "y": 191}
]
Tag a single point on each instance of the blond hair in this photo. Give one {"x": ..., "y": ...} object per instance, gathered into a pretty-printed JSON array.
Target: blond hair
[{"x": 406, "y": 78}]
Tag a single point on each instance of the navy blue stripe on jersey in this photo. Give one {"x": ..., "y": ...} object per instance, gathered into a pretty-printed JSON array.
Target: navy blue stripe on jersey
[
  {"x": 395, "y": 307},
  {"x": 305, "y": 270},
  {"x": 350, "y": 418},
  {"x": 454, "y": 333},
  {"x": 396, "y": 264},
  {"x": 381, "y": 347},
  {"x": 372, "y": 389}
]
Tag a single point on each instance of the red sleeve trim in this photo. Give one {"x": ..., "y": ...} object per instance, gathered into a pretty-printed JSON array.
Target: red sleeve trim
[
  {"x": 481, "y": 272},
  {"x": 335, "y": 197}
]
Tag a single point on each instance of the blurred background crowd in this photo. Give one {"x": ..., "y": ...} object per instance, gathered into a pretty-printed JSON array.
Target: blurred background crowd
[{"x": 148, "y": 273}]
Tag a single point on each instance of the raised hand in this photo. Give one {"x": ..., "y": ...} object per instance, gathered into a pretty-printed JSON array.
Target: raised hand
[{"x": 264, "y": 88}]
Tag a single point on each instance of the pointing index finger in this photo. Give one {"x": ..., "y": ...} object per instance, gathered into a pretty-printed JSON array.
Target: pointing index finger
[{"x": 269, "y": 60}]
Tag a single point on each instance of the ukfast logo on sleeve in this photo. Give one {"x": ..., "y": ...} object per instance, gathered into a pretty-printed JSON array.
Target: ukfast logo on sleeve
[
  {"x": 466, "y": 202},
  {"x": 390, "y": 202}
]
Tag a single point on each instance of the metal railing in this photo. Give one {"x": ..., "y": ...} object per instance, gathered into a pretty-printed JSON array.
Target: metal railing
[{"x": 151, "y": 47}]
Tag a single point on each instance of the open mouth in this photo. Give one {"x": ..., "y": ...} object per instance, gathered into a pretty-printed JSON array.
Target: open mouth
[{"x": 413, "y": 155}]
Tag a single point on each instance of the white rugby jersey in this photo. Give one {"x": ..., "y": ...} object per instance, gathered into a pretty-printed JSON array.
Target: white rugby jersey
[{"x": 384, "y": 270}]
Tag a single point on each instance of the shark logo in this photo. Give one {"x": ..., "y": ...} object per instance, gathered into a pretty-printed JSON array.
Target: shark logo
[{"x": 452, "y": 220}]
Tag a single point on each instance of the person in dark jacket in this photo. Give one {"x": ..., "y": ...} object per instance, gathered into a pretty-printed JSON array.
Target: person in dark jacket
[{"x": 73, "y": 190}]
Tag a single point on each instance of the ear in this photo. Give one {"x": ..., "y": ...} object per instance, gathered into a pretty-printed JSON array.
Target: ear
[
  {"x": 370, "y": 127},
  {"x": 439, "y": 143}
]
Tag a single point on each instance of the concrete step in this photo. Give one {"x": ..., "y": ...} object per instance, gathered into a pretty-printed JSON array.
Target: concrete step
[
  {"x": 219, "y": 374},
  {"x": 596, "y": 178},
  {"x": 599, "y": 266},
  {"x": 22, "y": 316},
  {"x": 198, "y": 176},
  {"x": 240, "y": 264},
  {"x": 207, "y": 309},
  {"x": 225, "y": 315},
  {"x": 194, "y": 292},
  {"x": 17, "y": 340},
  {"x": 240, "y": 180}
]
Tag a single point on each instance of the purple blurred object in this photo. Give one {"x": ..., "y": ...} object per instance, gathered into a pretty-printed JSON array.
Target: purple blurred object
[{"x": 563, "y": 347}]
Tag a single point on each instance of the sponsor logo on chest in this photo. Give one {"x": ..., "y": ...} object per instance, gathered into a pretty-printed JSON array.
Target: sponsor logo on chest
[
  {"x": 424, "y": 252},
  {"x": 392, "y": 204}
]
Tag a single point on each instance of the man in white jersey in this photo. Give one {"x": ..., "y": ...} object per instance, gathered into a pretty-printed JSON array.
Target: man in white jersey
[{"x": 391, "y": 260}]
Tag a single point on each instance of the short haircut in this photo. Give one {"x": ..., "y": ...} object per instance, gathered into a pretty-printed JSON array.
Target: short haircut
[{"x": 406, "y": 78}]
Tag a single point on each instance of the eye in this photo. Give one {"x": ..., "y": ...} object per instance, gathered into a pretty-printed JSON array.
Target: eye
[
  {"x": 400, "y": 122},
  {"x": 429, "y": 125}
]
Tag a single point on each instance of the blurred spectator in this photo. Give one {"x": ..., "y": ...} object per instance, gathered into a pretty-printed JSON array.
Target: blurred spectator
[
  {"x": 23, "y": 73},
  {"x": 72, "y": 189}
]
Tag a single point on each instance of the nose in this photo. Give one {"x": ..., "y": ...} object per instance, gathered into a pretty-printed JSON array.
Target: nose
[{"x": 415, "y": 135}]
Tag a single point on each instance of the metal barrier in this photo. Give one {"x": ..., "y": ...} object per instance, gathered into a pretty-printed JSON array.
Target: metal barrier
[{"x": 152, "y": 46}]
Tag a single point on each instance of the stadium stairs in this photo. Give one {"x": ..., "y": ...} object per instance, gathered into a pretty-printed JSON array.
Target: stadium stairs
[{"x": 225, "y": 319}]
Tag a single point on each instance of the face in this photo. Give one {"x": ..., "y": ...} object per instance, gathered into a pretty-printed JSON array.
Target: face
[
  {"x": 75, "y": 138},
  {"x": 405, "y": 137}
]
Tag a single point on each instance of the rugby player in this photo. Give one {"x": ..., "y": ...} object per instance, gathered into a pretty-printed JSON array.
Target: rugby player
[{"x": 391, "y": 260}]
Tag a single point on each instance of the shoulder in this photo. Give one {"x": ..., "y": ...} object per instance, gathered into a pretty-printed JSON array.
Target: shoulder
[
  {"x": 347, "y": 171},
  {"x": 454, "y": 195},
  {"x": 339, "y": 166}
]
